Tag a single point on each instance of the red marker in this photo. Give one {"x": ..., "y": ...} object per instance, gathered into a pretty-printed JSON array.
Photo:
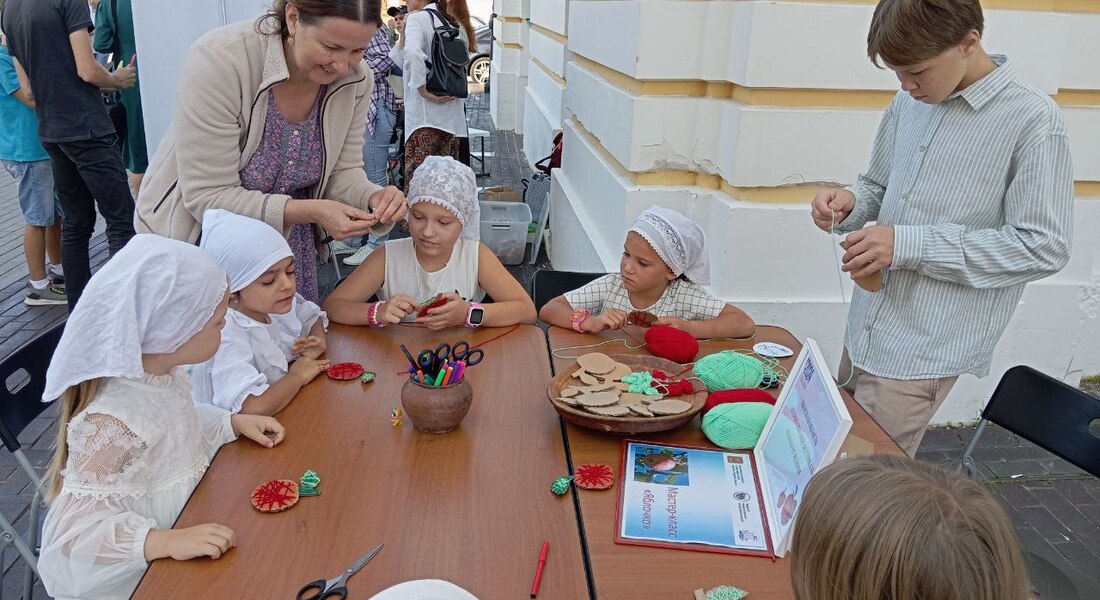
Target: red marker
[
  {"x": 538, "y": 572},
  {"x": 132, "y": 59}
]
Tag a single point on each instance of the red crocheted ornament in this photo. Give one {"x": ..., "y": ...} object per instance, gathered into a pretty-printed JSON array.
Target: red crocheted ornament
[
  {"x": 671, "y": 343},
  {"x": 727, "y": 396},
  {"x": 669, "y": 388},
  {"x": 275, "y": 496},
  {"x": 345, "y": 371},
  {"x": 593, "y": 476}
]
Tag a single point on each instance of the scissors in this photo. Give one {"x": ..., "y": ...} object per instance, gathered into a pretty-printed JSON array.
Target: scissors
[
  {"x": 336, "y": 587},
  {"x": 430, "y": 360}
]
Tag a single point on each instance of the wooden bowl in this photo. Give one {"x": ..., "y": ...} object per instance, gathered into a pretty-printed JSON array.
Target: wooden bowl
[{"x": 626, "y": 425}]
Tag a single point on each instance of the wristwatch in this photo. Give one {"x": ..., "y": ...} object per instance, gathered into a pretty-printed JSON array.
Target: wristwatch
[
  {"x": 578, "y": 317},
  {"x": 475, "y": 316}
]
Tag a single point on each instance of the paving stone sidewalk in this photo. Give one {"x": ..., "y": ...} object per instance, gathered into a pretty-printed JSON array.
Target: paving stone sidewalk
[{"x": 1042, "y": 494}]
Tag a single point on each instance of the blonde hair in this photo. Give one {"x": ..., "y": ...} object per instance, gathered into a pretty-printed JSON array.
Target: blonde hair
[
  {"x": 73, "y": 401},
  {"x": 889, "y": 528}
]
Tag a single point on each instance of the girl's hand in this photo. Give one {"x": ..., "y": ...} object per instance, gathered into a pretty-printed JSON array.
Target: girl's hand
[
  {"x": 211, "y": 540},
  {"x": 306, "y": 369},
  {"x": 676, "y": 323},
  {"x": 263, "y": 430},
  {"x": 451, "y": 314},
  {"x": 611, "y": 318},
  {"x": 309, "y": 346},
  {"x": 396, "y": 308},
  {"x": 430, "y": 96}
]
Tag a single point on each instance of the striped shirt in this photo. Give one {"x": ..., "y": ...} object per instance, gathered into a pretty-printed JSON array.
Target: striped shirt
[{"x": 979, "y": 190}]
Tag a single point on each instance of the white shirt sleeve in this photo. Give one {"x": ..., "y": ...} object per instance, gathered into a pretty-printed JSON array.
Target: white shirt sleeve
[
  {"x": 308, "y": 313},
  {"x": 234, "y": 375},
  {"x": 593, "y": 296},
  {"x": 95, "y": 547},
  {"x": 417, "y": 32},
  {"x": 217, "y": 430}
]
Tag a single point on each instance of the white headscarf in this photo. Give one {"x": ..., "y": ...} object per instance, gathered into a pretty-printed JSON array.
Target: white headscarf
[
  {"x": 424, "y": 589},
  {"x": 446, "y": 182},
  {"x": 678, "y": 240},
  {"x": 150, "y": 298},
  {"x": 245, "y": 247}
]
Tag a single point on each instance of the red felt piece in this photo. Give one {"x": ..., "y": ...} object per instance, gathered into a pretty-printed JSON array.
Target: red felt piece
[
  {"x": 671, "y": 343},
  {"x": 345, "y": 371},
  {"x": 594, "y": 476},
  {"x": 727, "y": 396},
  {"x": 433, "y": 302},
  {"x": 275, "y": 496}
]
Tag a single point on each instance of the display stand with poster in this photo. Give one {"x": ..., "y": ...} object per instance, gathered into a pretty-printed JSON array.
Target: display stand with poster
[{"x": 736, "y": 501}]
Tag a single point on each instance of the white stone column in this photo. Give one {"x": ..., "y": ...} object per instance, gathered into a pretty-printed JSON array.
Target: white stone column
[
  {"x": 544, "y": 105},
  {"x": 737, "y": 111},
  {"x": 508, "y": 74}
]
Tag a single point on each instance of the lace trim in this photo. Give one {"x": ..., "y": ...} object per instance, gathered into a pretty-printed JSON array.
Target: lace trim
[
  {"x": 440, "y": 202},
  {"x": 669, "y": 235},
  {"x": 191, "y": 476}
]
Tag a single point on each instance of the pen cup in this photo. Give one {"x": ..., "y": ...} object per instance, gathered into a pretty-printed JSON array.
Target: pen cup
[{"x": 436, "y": 409}]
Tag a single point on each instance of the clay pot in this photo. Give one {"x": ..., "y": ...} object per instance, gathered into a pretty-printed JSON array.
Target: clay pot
[{"x": 436, "y": 409}]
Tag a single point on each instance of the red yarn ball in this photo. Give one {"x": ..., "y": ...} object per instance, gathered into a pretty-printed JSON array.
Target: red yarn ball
[
  {"x": 727, "y": 396},
  {"x": 671, "y": 343}
]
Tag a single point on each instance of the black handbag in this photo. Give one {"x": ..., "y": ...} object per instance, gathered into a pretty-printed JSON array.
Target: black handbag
[{"x": 447, "y": 67}]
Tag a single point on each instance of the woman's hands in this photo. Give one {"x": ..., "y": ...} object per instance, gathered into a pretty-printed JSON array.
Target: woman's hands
[
  {"x": 389, "y": 205},
  {"x": 263, "y": 430},
  {"x": 340, "y": 220}
]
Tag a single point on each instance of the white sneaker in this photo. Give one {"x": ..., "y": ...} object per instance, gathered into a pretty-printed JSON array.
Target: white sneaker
[
  {"x": 342, "y": 247},
  {"x": 360, "y": 255}
]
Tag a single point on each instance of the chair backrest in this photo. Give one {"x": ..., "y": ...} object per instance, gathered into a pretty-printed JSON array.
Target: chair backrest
[
  {"x": 22, "y": 380},
  {"x": 1049, "y": 413},
  {"x": 548, "y": 284}
]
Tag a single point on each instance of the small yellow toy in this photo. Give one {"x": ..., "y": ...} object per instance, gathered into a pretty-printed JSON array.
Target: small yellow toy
[{"x": 395, "y": 417}]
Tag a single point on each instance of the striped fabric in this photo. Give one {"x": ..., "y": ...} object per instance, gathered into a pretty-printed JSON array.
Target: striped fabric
[{"x": 979, "y": 190}]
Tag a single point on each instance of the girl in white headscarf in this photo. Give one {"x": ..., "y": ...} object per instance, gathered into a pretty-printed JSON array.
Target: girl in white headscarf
[
  {"x": 440, "y": 274},
  {"x": 269, "y": 323},
  {"x": 661, "y": 280},
  {"x": 132, "y": 446}
]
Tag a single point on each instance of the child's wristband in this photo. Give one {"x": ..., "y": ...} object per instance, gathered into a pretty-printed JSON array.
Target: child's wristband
[{"x": 372, "y": 314}]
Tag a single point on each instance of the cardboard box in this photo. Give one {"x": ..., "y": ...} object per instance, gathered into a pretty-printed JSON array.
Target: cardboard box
[{"x": 502, "y": 194}]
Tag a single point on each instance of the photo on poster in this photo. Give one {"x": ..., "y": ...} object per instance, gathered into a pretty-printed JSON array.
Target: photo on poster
[{"x": 659, "y": 465}]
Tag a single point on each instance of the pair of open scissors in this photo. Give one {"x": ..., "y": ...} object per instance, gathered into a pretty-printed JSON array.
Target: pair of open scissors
[
  {"x": 336, "y": 587},
  {"x": 432, "y": 360}
]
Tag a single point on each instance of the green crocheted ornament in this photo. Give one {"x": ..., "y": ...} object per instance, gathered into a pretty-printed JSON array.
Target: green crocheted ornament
[
  {"x": 726, "y": 592},
  {"x": 309, "y": 482},
  {"x": 561, "y": 485},
  {"x": 641, "y": 383}
]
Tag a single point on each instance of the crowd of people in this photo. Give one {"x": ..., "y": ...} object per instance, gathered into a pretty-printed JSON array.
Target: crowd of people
[{"x": 207, "y": 320}]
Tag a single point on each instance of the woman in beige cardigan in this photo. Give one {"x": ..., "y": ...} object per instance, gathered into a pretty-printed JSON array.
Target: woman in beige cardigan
[{"x": 269, "y": 124}]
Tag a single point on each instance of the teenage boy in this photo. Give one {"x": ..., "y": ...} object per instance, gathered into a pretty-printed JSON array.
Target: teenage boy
[
  {"x": 49, "y": 41},
  {"x": 27, "y": 162},
  {"x": 971, "y": 186}
]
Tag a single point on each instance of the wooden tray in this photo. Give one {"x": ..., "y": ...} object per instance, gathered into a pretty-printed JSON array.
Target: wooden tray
[{"x": 626, "y": 425}]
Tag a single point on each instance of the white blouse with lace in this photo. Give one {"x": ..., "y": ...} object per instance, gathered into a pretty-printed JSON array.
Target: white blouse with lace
[
  {"x": 252, "y": 355},
  {"x": 135, "y": 455}
]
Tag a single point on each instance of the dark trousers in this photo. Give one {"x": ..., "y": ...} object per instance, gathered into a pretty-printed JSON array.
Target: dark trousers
[{"x": 87, "y": 173}]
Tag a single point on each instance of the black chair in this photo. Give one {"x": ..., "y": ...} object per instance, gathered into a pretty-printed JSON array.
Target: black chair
[
  {"x": 548, "y": 284},
  {"x": 23, "y": 379},
  {"x": 1063, "y": 421}
]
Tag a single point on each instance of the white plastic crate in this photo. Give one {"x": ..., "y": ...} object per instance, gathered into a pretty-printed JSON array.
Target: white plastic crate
[{"x": 504, "y": 229}]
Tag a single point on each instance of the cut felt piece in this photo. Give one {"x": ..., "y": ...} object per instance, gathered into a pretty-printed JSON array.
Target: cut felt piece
[
  {"x": 345, "y": 371},
  {"x": 275, "y": 496}
]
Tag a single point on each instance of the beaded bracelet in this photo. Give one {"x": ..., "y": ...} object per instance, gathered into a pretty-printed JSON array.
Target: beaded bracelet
[{"x": 372, "y": 315}]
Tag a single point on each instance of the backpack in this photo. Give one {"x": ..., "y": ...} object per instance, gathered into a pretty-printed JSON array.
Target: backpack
[{"x": 447, "y": 67}]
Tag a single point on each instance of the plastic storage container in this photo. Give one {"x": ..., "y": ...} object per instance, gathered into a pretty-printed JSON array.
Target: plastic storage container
[{"x": 504, "y": 229}]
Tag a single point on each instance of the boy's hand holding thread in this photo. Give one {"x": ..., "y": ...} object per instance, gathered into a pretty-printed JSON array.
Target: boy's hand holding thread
[
  {"x": 831, "y": 207},
  {"x": 309, "y": 346},
  {"x": 211, "y": 540},
  {"x": 868, "y": 251},
  {"x": 264, "y": 430},
  {"x": 307, "y": 369},
  {"x": 451, "y": 314},
  {"x": 396, "y": 308}
]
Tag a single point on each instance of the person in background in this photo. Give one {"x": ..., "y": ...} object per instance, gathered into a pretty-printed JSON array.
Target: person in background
[
  {"x": 110, "y": 36},
  {"x": 50, "y": 42},
  {"x": 26, "y": 160}
]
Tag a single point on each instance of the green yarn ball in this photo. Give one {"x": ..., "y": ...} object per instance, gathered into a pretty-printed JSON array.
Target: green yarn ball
[
  {"x": 737, "y": 425},
  {"x": 729, "y": 370}
]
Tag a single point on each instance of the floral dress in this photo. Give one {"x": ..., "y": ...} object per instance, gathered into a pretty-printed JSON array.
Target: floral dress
[{"x": 288, "y": 161}]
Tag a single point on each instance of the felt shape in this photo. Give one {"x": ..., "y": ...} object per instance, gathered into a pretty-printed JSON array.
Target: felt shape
[
  {"x": 594, "y": 476},
  {"x": 671, "y": 343},
  {"x": 728, "y": 396},
  {"x": 366, "y": 377},
  {"x": 275, "y": 496},
  {"x": 345, "y": 371},
  {"x": 308, "y": 484},
  {"x": 560, "y": 485},
  {"x": 434, "y": 302},
  {"x": 641, "y": 318},
  {"x": 736, "y": 426}
]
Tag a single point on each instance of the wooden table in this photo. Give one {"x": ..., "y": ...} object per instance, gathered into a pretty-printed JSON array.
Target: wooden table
[
  {"x": 632, "y": 572},
  {"x": 472, "y": 506}
]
